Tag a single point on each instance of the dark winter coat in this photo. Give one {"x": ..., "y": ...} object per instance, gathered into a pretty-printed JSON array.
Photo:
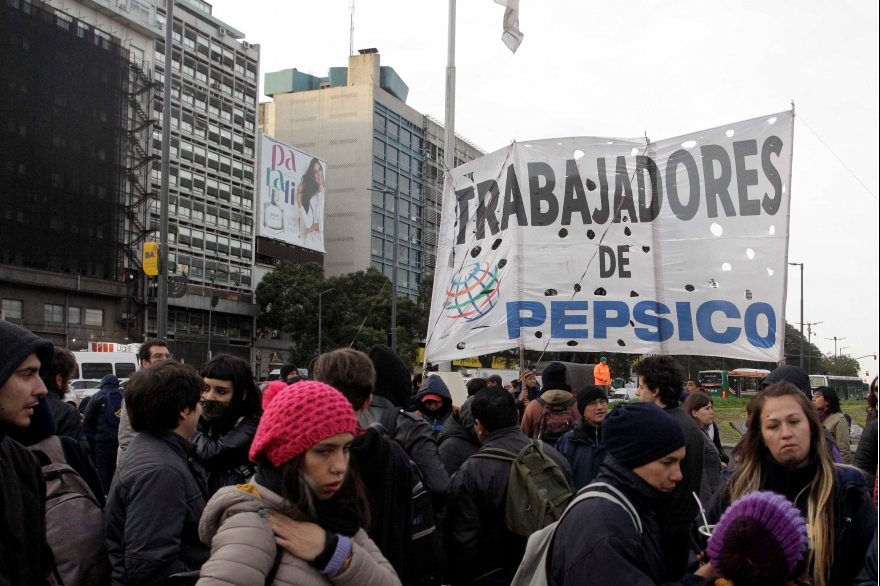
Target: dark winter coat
[
  {"x": 716, "y": 440},
  {"x": 384, "y": 469},
  {"x": 855, "y": 516},
  {"x": 868, "y": 575},
  {"x": 416, "y": 438},
  {"x": 476, "y": 540},
  {"x": 156, "y": 501},
  {"x": 584, "y": 450},
  {"x": 711, "y": 469},
  {"x": 458, "y": 440},
  {"x": 677, "y": 518},
  {"x": 67, "y": 419},
  {"x": 97, "y": 428},
  {"x": 25, "y": 556},
  {"x": 434, "y": 385},
  {"x": 612, "y": 551},
  {"x": 225, "y": 457},
  {"x": 865, "y": 458}
]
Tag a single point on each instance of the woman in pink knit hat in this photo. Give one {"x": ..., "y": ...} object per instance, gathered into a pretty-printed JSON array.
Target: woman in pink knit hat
[{"x": 300, "y": 519}]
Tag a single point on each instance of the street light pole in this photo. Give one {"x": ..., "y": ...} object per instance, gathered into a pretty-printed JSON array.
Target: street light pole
[
  {"x": 162, "y": 291},
  {"x": 810, "y": 335},
  {"x": 210, "y": 313},
  {"x": 320, "y": 308},
  {"x": 393, "y": 268},
  {"x": 800, "y": 264}
]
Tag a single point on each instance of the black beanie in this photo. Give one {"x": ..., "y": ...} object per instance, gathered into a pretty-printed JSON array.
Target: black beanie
[
  {"x": 392, "y": 375},
  {"x": 16, "y": 344},
  {"x": 553, "y": 377},
  {"x": 639, "y": 433},
  {"x": 587, "y": 395},
  {"x": 790, "y": 374}
]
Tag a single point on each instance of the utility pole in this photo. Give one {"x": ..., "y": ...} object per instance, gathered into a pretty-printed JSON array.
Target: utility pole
[
  {"x": 394, "y": 268},
  {"x": 162, "y": 291},
  {"x": 810, "y": 339},
  {"x": 214, "y": 301},
  {"x": 800, "y": 264},
  {"x": 836, "y": 339},
  {"x": 320, "y": 328}
]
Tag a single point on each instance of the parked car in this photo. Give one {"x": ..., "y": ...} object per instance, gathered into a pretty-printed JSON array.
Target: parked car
[{"x": 623, "y": 394}]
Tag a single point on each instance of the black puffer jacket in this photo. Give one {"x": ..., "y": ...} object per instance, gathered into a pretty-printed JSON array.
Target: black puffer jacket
[
  {"x": 458, "y": 440},
  {"x": 855, "y": 516},
  {"x": 388, "y": 408},
  {"x": 612, "y": 551},
  {"x": 153, "y": 513},
  {"x": 225, "y": 457},
  {"x": 476, "y": 540}
]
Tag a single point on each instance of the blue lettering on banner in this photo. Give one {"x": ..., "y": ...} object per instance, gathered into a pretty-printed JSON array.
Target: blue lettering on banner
[{"x": 616, "y": 314}]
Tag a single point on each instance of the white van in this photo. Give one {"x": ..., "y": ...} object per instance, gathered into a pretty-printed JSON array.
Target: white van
[{"x": 97, "y": 365}]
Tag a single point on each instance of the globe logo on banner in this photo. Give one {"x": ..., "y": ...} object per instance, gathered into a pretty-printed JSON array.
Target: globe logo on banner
[{"x": 473, "y": 292}]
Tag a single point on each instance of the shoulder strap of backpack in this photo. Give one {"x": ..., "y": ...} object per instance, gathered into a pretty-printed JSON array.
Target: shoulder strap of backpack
[
  {"x": 496, "y": 454},
  {"x": 615, "y": 496},
  {"x": 270, "y": 577}
]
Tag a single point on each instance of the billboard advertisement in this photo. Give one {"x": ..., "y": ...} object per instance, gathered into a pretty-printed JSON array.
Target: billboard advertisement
[
  {"x": 590, "y": 244},
  {"x": 290, "y": 195}
]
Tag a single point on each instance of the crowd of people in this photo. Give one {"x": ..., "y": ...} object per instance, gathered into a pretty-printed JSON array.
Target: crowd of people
[{"x": 362, "y": 475}]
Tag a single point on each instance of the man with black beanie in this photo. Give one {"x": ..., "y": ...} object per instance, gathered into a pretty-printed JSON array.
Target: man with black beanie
[
  {"x": 25, "y": 555},
  {"x": 623, "y": 544},
  {"x": 583, "y": 446},
  {"x": 660, "y": 383}
]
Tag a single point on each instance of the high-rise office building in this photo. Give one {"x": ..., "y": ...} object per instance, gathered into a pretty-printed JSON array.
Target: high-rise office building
[
  {"x": 211, "y": 204},
  {"x": 357, "y": 119}
]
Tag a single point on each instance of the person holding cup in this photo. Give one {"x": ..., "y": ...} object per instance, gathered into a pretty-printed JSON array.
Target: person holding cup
[
  {"x": 637, "y": 479},
  {"x": 784, "y": 451}
]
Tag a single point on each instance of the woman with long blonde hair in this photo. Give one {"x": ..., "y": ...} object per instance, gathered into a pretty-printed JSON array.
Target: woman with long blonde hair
[{"x": 784, "y": 451}]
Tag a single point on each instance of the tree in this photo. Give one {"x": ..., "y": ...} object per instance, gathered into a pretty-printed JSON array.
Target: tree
[{"x": 356, "y": 313}]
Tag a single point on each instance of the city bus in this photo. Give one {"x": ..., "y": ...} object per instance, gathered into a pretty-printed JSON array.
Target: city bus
[
  {"x": 741, "y": 382},
  {"x": 847, "y": 387}
]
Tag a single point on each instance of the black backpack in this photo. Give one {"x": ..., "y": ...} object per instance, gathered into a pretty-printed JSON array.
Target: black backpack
[{"x": 424, "y": 558}]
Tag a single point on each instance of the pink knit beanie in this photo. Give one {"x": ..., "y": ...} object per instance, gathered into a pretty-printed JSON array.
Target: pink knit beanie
[{"x": 298, "y": 416}]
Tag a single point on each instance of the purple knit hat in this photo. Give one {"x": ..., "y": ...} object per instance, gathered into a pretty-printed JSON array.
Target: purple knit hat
[{"x": 761, "y": 538}]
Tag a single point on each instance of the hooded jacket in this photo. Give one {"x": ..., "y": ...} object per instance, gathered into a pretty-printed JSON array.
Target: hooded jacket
[
  {"x": 612, "y": 551},
  {"x": 458, "y": 440},
  {"x": 476, "y": 540},
  {"x": 434, "y": 385},
  {"x": 97, "y": 428},
  {"x": 585, "y": 451},
  {"x": 153, "y": 512},
  {"x": 243, "y": 547},
  {"x": 66, "y": 418},
  {"x": 534, "y": 409},
  {"x": 388, "y": 409},
  {"x": 855, "y": 517}
]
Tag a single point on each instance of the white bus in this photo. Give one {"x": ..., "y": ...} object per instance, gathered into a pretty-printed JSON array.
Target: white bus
[{"x": 847, "y": 387}]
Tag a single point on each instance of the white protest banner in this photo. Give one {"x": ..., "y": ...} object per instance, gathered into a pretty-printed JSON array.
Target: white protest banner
[
  {"x": 290, "y": 195},
  {"x": 600, "y": 244}
]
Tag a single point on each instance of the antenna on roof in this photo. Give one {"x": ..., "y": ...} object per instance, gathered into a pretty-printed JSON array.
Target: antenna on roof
[{"x": 351, "y": 31}]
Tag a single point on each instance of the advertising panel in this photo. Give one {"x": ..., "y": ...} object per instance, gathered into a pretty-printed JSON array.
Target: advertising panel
[
  {"x": 290, "y": 195},
  {"x": 677, "y": 246}
]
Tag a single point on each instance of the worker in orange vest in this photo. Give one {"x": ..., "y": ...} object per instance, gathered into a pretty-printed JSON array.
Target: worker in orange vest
[{"x": 602, "y": 374}]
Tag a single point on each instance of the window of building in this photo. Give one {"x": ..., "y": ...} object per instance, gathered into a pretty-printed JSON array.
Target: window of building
[
  {"x": 94, "y": 317},
  {"x": 53, "y": 313},
  {"x": 12, "y": 308},
  {"x": 378, "y": 173},
  {"x": 392, "y": 155},
  {"x": 379, "y": 123},
  {"x": 393, "y": 129},
  {"x": 378, "y": 148},
  {"x": 74, "y": 315}
]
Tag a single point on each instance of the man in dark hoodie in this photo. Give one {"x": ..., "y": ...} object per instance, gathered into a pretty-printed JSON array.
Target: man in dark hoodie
[
  {"x": 102, "y": 427},
  {"x": 554, "y": 412},
  {"x": 388, "y": 408},
  {"x": 57, "y": 379},
  {"x": 583, "y": 446},
  {"x": 458, "y": 440},
  {"x": 660, "y": 382},
  {"x": 434, "y": 403},
  {"x": 25, "y": 555}
]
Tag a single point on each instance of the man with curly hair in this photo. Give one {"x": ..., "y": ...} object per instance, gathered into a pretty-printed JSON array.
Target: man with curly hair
[{"x": 661, "y": 383}]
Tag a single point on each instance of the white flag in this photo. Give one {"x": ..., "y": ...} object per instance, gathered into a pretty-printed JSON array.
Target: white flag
[{"x": 511, "y": 37}]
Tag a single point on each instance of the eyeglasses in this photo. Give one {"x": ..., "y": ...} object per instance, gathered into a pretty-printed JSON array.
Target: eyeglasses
[{"x": 162, "y": 356}]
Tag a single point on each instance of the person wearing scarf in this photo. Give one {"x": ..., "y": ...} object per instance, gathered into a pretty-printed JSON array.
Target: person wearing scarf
[{"x": 304, "y": 499}]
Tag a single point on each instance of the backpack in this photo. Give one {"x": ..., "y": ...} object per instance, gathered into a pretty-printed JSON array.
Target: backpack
[
  {"x": 424, "y": 558},
  {"x": 537, "y": 491},
  {"x": 112, "y": 409},
  {"x": 74, "y": 519},
  {"x": 534, "y": 570},
  {"x": 555, "y": 420}
]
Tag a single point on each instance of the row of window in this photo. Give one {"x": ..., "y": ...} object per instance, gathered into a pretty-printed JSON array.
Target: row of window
[
  {"x": 406, "y": 279},
  {"x": 201, "y": 184},
  {"x": 410, "y": 138},
  {"x": 13, "y": 309},
  {"x": 197, "y": 323},
  {"x": 211, "y": 158},
  {"x": 198, "y": 213}
]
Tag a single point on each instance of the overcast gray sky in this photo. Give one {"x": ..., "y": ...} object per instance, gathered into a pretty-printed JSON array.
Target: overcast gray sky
[{"x": 604, "y": 68}]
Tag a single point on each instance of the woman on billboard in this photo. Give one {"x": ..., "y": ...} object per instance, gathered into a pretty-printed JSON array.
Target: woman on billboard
[{"x": 310, "y": 199}]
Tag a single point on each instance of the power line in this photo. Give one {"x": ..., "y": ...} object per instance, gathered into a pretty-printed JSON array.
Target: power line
[{"x": 838, "y": 158}]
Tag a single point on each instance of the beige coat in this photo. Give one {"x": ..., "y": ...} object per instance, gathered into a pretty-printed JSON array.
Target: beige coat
[
  {"x": 836, "y": 424},
  {"x": 243, "y": 548}
]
